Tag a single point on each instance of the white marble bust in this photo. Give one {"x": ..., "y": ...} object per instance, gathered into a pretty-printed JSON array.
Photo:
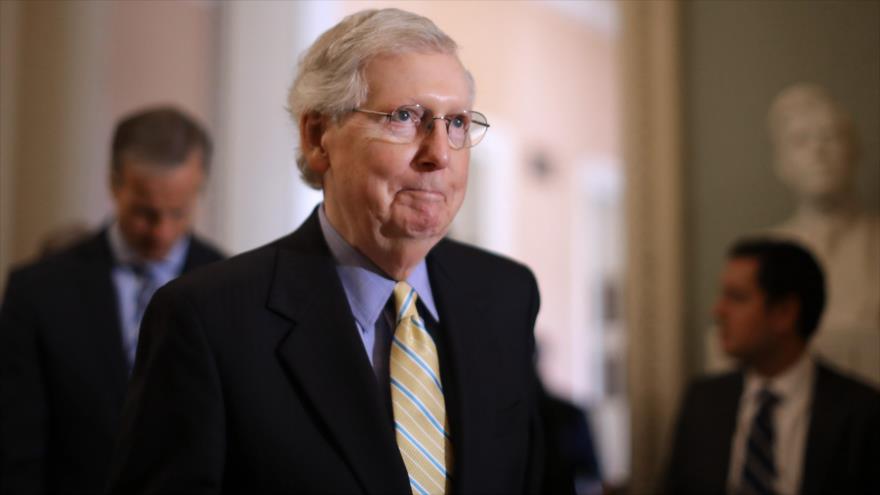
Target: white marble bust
[{"x": 815, "y": 156}]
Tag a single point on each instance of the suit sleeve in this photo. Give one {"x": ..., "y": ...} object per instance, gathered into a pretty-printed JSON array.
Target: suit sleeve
[
  {"x": 535, "y": 474},
  {"x": 171, "y": 438},
  {"x": 23, "y": 401}
]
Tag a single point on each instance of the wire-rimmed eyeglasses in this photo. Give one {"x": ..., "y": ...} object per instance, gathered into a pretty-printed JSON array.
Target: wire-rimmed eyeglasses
[{"x": 404, "y": 124}]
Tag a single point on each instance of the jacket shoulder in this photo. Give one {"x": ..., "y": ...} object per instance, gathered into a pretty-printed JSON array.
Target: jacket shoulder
[
  {"x": 244, "y": 274},
  {"x": 716, "y": 380},
  {"x": 58, "y": 267},
  {"x": 203, "y": 251},
  {"x": 710, "y": 388},
  {"x": 847, "y": 389},
  {"x": 477, "y": 263}
]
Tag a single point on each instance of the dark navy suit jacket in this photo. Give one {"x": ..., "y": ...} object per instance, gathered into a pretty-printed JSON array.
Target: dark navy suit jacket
[
  {"x": 843, "y": 438},
  {"x": 251, "y": 378},
  {"x": 63, "y": 372}
]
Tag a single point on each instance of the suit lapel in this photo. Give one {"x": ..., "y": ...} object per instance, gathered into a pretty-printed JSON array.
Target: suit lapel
[
  {"x": 325, "y": 358},
  {"x": 462, "y": 320},
  {"x": 102, "y": 307}
]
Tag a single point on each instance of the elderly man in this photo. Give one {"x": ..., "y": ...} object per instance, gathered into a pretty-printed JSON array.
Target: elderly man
[
  {"x": 69, "y": 323},
  {"x": 786, "y": 423},
  {"x": 363, "y": 353}
]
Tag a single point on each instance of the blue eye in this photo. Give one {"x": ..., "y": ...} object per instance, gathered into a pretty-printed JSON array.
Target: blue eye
[
  {"x": 401, "y": 115},
  {"x": 459, "y": 122},
  {"x": 409, "y": 114}
]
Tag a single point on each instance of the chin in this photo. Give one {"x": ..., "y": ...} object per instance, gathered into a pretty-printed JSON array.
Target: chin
[
  {"x": 424, "y": 225},
  {"x": 155, "y": 254},
  {"x": 420, "y": 231}
]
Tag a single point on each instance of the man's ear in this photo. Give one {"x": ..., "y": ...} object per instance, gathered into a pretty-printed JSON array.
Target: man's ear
[
  {"x": 312, "y": 126},
  {"x": 785, "y": 315}
]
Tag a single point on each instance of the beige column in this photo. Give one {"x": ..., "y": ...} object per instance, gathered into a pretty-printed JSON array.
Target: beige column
[
  {"x": 10, "y": 19},
  {"x": 257, "y": 178},
  {"x": 654, "y": 286},
  {"x": 56, "y": 168}
]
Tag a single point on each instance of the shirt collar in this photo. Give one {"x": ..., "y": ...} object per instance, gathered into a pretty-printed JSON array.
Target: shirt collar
[
  {"x": 124, "y": 254},
  {"x": 367, "y": 288},
  {"x": 789, "y": 383}
]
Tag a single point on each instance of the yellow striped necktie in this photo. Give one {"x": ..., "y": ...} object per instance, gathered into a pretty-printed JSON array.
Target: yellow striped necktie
[{"x": 417, "y": 399}]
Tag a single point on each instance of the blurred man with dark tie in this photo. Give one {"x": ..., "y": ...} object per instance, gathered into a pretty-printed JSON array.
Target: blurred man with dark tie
[
  {"x": 363, "y": 353},
  {"x": 786, "y": 423},
  {"x": 69, "y": 322}
]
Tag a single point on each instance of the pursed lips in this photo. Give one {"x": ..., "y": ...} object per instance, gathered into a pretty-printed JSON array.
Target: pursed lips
[{"x": 423, "y": 194}]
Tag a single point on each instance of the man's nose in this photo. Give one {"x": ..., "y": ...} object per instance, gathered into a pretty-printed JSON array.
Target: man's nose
[
  {"x": 162, "y": 229},
  {"x": 434, "y": 150}
]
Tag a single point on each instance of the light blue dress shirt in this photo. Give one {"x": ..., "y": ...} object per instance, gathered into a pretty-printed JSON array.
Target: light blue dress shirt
[
  {"x": 129, "y": 283},
  {"x": 368, "y": 291}
]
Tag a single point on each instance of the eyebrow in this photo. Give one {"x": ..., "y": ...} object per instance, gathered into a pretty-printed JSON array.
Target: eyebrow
[{"x": 428, "y": 108}]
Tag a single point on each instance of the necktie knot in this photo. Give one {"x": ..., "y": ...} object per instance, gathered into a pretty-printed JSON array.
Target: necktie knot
[
  {"x": 144, "y": 272},
  {"x": 139, "y": 269},
  {"x": 405, "y": 298},
  {"x": 767, "y": 398}
]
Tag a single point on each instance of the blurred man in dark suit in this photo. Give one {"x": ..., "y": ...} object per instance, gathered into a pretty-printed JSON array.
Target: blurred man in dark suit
[
  {"x": 69, "y": 322},
  {"x": 363, "y": 353},
  {"x": 571, "y": 464},
  {"x": 786, "y": 423}
]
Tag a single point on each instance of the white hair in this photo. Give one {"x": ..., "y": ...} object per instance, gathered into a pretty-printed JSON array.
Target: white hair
[{"x": 330, "y": 79}]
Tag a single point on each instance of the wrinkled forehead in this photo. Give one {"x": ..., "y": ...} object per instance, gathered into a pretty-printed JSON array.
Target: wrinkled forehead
[{"x": 442, "y": 69}]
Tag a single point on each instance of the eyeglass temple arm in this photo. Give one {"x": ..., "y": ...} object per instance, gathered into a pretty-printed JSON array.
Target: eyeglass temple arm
[{"x": 361, "y": 110}]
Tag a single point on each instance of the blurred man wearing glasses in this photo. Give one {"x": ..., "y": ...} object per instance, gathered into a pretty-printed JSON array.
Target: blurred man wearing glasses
[
  {"x": 69, "y": 322},
  {"x": 363, "y": 353}
]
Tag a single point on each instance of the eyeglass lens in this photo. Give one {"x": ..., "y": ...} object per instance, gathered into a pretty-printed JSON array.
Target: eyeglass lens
[{"x": 464, "y": 129}]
